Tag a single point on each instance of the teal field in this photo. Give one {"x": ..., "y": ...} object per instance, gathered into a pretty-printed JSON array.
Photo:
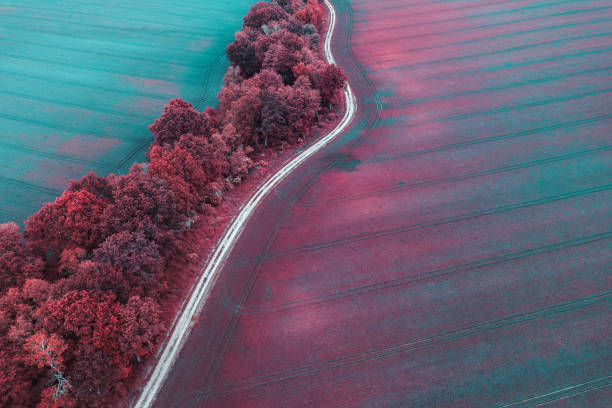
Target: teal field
[{"x": 80, "y": 81}]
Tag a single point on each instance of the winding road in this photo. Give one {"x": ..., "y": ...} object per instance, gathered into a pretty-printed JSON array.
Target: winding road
[{"x": 451, "y": 248}]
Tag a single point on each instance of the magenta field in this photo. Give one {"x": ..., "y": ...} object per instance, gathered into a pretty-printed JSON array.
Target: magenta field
[{"x": 453, "y": 247}]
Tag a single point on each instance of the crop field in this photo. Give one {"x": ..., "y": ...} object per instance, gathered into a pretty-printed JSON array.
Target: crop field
[
  {"x": 453, "y": 248},
  {"x": 80, "y": 81}
]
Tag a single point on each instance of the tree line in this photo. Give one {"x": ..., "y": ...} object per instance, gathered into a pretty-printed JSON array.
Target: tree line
[{"x": 81, "y": 286}]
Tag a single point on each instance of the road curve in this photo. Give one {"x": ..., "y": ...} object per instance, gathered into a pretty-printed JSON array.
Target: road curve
[
  {"x": 197, "y": 298},
  {"x": 452, "y": 248}
]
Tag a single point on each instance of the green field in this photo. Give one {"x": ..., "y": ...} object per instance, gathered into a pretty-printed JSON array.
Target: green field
[{"x": 80, "y": 81}]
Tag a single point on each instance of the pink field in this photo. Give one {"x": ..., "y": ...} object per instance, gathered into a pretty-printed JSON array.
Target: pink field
[{"x": 453, "y": 248}]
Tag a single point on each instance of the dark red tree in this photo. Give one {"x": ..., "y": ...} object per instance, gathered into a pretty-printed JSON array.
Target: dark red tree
[
  {"x": 96, "y": 276},
  {"x": 136, "y": 257},
  {"x": 144, "y": 203},
  {"x": 185, "y": 177},
  {"x": 17, "y": 261},
  {"x": 333, "y": 80},
  {"x": 95, "y": 377},
  {"x": 181, "y": 117},
  {"x": 242, "y": 54},
  {"x": 17, "y": 379},
  {"x": 96, "y": 185},
  {"x": 141, "y": 326},
  {"x": 73, "y": 220},
  {"x": 303, "y": 105},
  {"x": 245, "y": 115},
  {"x": 263, "y": 13},
  {"x": 274, "y": 116},
  {"x": 281, "y": 60}
]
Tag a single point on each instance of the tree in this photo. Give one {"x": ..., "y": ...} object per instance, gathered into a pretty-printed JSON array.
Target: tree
[
  {"x": 312, "y": 13},
  {"x": 181, "y": 117},
  {"x": 73, "y": 220},
  {"x": 17, "y": 261},
  {"x": 96, "y": 185},
  {"x": 16, "y": 389},
  {"x": 185, "y": 177},
  {"x": 134, "y": 257},
  {"x": 242, "y": 54},
  {"x": 96, "y": 276},
  {"x": 261, "y": 46},
  {"x": 301, "y": 69},
  {"x": 96, "y": 377},
  {"x": 87, "y": 316},
  {"x": 20, "y": 314},
  {"x": 245, "y": 115},
  {"x": 281, "y": 60},
  {"x": 274, "y": 115},
  {"x": 45, "y": 350},
  {"x": 141, "y": 325},
  {"x": 144, "y": 203},
  {"x": 239, "y": 162},
  {"x": 303, "y": 105},
  {"x": 263, "y": 13},
  {"x": 333, "y": 80},
  {"x": 265, "y": 79}
]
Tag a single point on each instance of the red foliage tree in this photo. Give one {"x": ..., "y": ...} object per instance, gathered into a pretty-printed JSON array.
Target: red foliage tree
[
  {"x": 96, "y": 185},
  {"x": 144, "y": 203},
  {"x": 303, "y": 105},
  {"x": 17, "y": 262},
  {"x": 96, "y": 276},
  {"x": 261, "y": 45},
  {"x": 301, "y": 69},
  {"x": 239, "y": 161},
  {"x": 19, "y": 310},
  {"x": 134, "y": 257},
  {"x": 313, "y": 14},
  {"x": 73, "y": 220},
  {"x": 95, "y": 377},
  {"x": 87, "y": 316},
  {"x": 242, "y": 54},
  {"x": 44, "y": 350},
  {"x": 263, "y": 13},
  {"x": 19, "y": 320},
  {"x": 185, "y": 177},
  {"x": 245, "y": 115},
  {"x": 333, "y": 80},
  {"x": 141, "y": 326},
  {"x": 181, "y": 117}
]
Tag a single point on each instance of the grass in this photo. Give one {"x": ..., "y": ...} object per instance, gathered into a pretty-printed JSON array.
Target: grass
[{"x": 80, "y": 81}]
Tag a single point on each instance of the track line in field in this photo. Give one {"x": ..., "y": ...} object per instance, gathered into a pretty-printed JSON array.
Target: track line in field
[
  {"x": 522, "y": 20},
  {"x": 87, "y": 86},
  {"x": 413, "y": 344},
  {"x": 480, "y": 173},
  {"x": 486, "y": 15},
  {"x": 422, "y": 276},
  {"x": 423, "y": 225},
  {"x": 511, "y": 135},
  {"x": 100, "y": 53},
  {"x": 64, "y": 103},
  {"x": 500, "y": 50},
  {"x": 590, "y": 385}
]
